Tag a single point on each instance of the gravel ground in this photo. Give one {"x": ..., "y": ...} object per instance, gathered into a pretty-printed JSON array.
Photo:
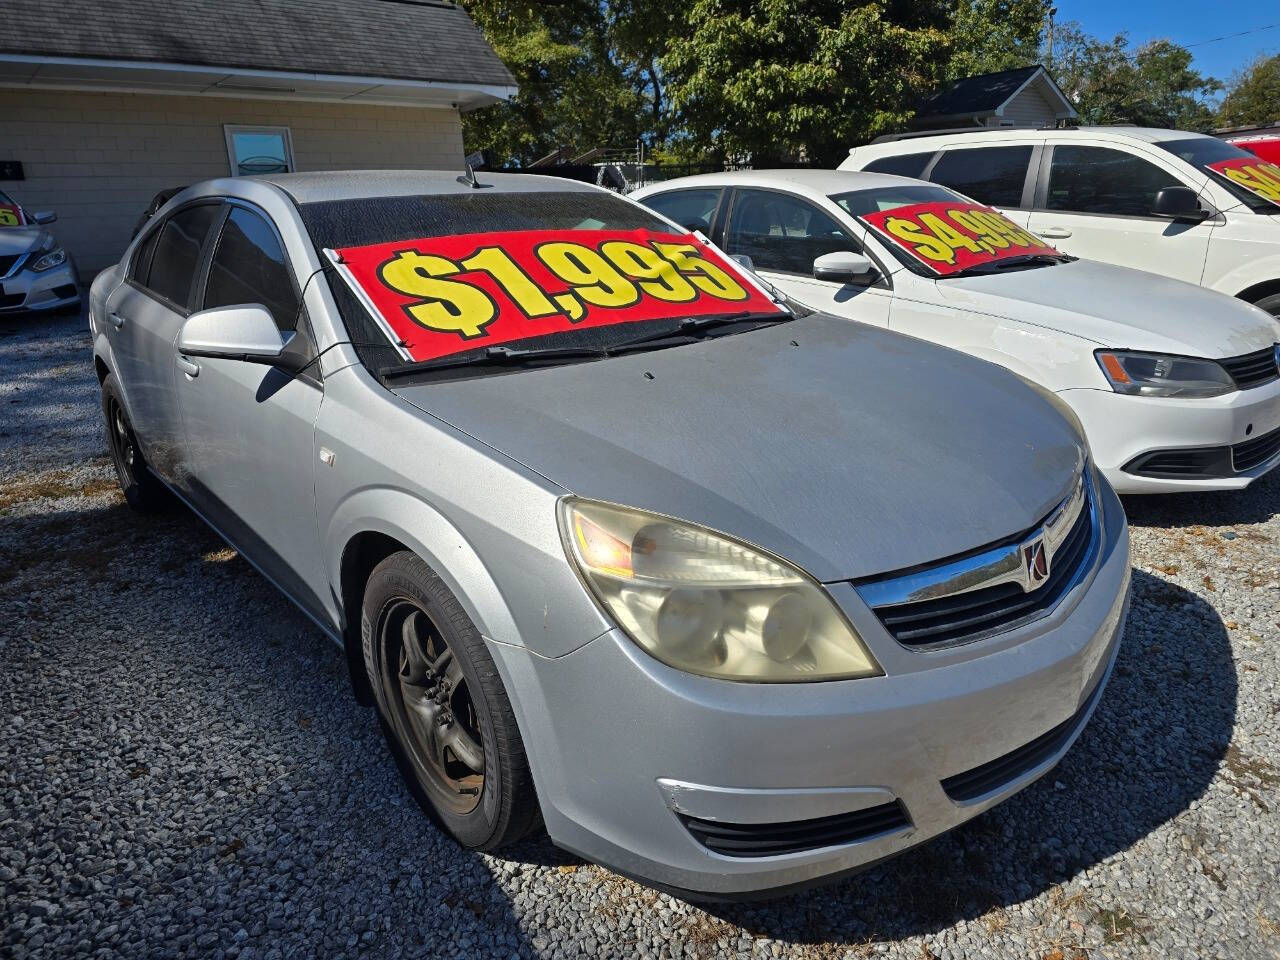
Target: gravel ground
[{"x": 183, "y": 771}]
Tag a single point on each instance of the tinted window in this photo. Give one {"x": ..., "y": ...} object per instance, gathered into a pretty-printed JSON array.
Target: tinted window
[
  {"x": 177, "y": 252},
  {"x": 142, "y": 259},
  {"x": 992, "y": 175},
  {"x": 248, "y": 266},
  {"x": 692, "y": 209},
  {"x": 906, "y": 165},
  {"x": 1202, "y": 151},
  {"x": 785, "y": 233},
  {"x": 1099, "y": 180}
]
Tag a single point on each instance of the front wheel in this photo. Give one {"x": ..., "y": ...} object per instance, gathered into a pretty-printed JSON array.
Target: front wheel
[
  {"x": 442, "y": 706},
  {"x": 1270, "y": 304}
]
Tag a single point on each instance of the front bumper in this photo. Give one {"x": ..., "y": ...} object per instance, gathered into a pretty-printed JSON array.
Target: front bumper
[
  {"x": 48, "y": 290},
  {"x": 1130, "y": 436},
  {"x": 632, "y": 759}
]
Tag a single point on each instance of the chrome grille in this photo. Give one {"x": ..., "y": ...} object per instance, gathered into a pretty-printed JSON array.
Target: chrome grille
[
  {"x": 1253, "y": 369},
  {"x": 7, "y": 264},
  {"x": 997, "y": 589}
]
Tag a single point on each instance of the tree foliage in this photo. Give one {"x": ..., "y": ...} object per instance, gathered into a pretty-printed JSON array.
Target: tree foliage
[
  {"x": 1253, "y": 96},
  {"x": 1154, "y": 86}
]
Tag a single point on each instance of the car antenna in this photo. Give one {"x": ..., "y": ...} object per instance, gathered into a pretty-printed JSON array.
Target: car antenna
[{"x": 469, "y": 180}]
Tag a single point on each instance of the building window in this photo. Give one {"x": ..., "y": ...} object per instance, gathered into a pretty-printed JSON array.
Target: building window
[{"x": 259, "y": 150}]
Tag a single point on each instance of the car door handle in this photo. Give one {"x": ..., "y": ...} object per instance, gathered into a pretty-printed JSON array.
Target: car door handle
[
  {"x": 1055, "y": 233},
  {"x": 117, "y": 321},
  {"x": 189, "y": 367}
]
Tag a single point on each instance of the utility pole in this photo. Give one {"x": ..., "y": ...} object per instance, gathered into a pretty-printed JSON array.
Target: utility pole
[{"x": 1049, "y": 38}]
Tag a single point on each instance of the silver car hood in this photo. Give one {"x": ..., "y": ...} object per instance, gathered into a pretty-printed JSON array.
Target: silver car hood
[
  {"x": 14, "y": 240},
  {"x": 858, "y": 451}
]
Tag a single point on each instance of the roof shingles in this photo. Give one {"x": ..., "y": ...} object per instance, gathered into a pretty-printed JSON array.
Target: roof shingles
[{"x": 390, "y": 39}]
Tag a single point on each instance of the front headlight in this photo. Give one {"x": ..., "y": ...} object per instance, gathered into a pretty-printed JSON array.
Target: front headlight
[
  {"x": 1162, "y": 375},
  {"x": 54, "y": 258},
  {"x": 708, "y": 604}
]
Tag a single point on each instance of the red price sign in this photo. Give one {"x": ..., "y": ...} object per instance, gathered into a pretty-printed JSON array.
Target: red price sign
[
  {"x": 445, "y": 295},
  {"x": 1255, "y": 175},
  {"x": 950, "y": 237},
  {"x": 10, "y": 215}
]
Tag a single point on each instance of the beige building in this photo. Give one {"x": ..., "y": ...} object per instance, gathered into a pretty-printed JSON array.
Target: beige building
[
  {"x": 1021, "y": 97},
  {"x": 103, "y": 105}
]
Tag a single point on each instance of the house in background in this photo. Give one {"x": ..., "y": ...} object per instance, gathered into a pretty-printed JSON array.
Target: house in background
[
  {"x": 1026, "y": 96},
  {"x": 105, "y": 102}
]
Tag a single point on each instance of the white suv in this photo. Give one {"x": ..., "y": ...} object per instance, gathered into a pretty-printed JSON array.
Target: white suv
[{"x": 1092, "y": 192}]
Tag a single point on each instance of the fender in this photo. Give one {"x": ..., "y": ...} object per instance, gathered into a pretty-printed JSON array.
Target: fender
[
  {"x": 429, "y": 534},
  {"x": 1248, "y": 274}
]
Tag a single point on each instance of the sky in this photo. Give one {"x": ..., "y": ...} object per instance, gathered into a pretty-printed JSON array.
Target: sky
[{"x": 1185, "y": 22}]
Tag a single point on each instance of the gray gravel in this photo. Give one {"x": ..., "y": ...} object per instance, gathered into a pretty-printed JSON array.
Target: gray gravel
[{"x": 184, "y": 773}]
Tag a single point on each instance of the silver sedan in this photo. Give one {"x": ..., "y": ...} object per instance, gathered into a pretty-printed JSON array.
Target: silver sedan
[
  {"x": 730, "y": 600},
  {"x": 36, "y": 273}
]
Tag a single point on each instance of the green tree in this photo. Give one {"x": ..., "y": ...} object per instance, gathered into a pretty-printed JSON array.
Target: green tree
[
  {"x": 1154, "y": 86},
  {"x": 573, "y": 93},
  {"x": 1253, "y": 97},
  {"x": 990, "y": 35},
  {"x": 778, "y": 80}
]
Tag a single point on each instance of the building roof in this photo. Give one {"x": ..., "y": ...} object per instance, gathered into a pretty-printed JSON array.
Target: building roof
[
  {"x": 987, "y": 93},
  {"x": 406, "y": 42}
]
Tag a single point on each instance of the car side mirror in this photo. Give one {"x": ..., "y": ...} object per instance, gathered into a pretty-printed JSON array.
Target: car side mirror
[
  {"x": 845, "y": 266},
  {"x": 1178, "y": 203},
  {"x": 244, "y": 332},
  {"x": 44, "y": 216}
]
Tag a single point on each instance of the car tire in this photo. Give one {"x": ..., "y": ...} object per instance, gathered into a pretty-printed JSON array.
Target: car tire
[
  {"x": 142, "y": 491},
  {"x": 443, "y": 708},
  {"x": 1271, "y": 304}
]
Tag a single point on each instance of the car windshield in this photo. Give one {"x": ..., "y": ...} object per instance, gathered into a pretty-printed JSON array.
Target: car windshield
[
  {"x": 489, "y": 279},
  {"x": 1202, "y": 151},
  {"x": 10, "y": 212},
  {"x": 997, "y": 241}
]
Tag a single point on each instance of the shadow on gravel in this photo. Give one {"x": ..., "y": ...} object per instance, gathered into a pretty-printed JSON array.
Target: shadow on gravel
[
  {"x": 1151, "y": 748},
  {"x": 1256, "y": 504}
]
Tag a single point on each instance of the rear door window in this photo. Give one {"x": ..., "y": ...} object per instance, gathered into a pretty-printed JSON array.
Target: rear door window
[
  {"x": 1100, "y": 180},
  {"x": 692, "y": 209},
  {"x": 783, "y": 233},
  {"x": 990, "y": 175},
  {"x": 248, "y": 266},
  {"x": 904, "y": 165},
  {"x": 177, "y": 253}
]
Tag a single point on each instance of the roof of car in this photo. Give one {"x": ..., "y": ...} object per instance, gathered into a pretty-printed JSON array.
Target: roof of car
[
  {"x": 359, "y": 184},
  {"x": 920, "y": 142},
  {"x": 825, "y": 182}
]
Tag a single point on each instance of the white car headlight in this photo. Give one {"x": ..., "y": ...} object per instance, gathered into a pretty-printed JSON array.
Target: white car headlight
[
  {"x": 1162, "y": 375},
  {"x": 54, "y": 258},
  {"x": 708, "y": 604}
]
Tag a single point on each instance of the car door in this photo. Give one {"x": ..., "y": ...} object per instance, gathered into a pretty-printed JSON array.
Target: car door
[
  {"x": 1001, "y": 176},
  {"x": 144, "y": 315},
  {"x": 782, "y": 234},
  {"x": 1095, "y": 201},
  {"x": 250, "y": 426}
]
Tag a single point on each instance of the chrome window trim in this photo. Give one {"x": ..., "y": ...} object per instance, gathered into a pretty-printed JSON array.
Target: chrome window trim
[{"x": 999, "y": 565}]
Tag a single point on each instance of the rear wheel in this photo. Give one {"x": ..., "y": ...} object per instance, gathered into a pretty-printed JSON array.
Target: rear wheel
[
  {"x": 443, "y": 707},
  {"x": 142, "y": 491}
]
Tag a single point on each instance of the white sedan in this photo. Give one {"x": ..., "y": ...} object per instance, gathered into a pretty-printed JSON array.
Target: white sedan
[{"x": 1178, "y": 387}]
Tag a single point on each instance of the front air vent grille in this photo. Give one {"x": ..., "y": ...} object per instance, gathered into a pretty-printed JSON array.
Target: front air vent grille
[
  {"x": 796, "y": 836},
  {"x": 1255, "y": 452},
  {"x": 1253, "y": 369},
  {"x": 972, "y": 615}
]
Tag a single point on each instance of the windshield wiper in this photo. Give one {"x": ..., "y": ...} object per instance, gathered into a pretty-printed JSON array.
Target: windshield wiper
[
  {"x": 1013, "y": 263},
  {"x": 496, "y": 357},
  {"x": 689, "y": 330},
  {"x": 695, "y": 328}
]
